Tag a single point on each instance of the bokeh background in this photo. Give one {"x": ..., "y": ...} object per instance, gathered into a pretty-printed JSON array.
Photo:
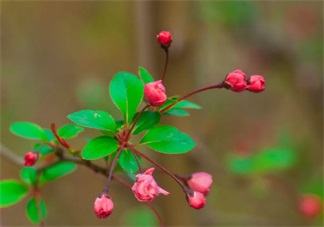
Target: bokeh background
[{"x": 58, "y": 57}]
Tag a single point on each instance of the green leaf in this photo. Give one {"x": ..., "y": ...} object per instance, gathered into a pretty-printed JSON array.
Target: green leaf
[
  {"x": 168, "y": 139},
  {"x": 99, "y": 147},
  {"x": 49, "y": 135},
  {"x": 240, "y": 165},
  {"x": 28, "y": 130},
  {"x": 147, "y": 120},
  {"x": 169, "y": 101},
  {"x": 28, "y": 175},
  {"x": 56, "y": 171},
  {"x": 186, "y": 105},
  {"x": 177, "y": 112},
  {"x": 11, "y": 192},
  {"x": 145, "y": 75},
  {"x": 139, "y": 217},
  {"x": 126, "y": 91},
  {"x": 272, "y": 159},
  {"x": 69, "y": 131},
  {"x": 46, "y": 149},
  {"x": 96, "y": 119},
  {"x": 127, "y": 161},
  {"x": 32, "y": 211}
]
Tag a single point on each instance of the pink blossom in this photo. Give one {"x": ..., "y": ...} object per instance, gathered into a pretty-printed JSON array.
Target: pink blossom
[
  {"x": 310, "y": 205},
  {"x": 145, "y": 188},
  {"x": 154, "y": 93},
  {"x": 196, "y": 200},
  {"x": 201, "y": 182},
  {"x": 164, "y": 38},
  {"x": 30, "y": 158},
  {"x": 103, "y": 206},
  {"x": 235, "y": 81},
  {"x": 256, "y": 83}
]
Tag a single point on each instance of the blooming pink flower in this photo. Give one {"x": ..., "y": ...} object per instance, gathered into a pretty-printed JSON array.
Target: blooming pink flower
[
  {"x": 145, "y": 188},
  {"x": 103, "y": 206},
  {"x": 201, "y": 182},
  {"x": 235, "y": 81},
  {"x": 30, "y": 158},
  {"x": 154, "y": 93},
  {"x": 164, "y": 38},
  {"x": 196, "y": 200},
  {"x": 256, "y": 83},
  {"x": 310, "y": 205}
]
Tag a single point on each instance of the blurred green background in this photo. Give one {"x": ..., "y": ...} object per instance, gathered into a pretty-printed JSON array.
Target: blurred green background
[{"x": 264, "y": 150}]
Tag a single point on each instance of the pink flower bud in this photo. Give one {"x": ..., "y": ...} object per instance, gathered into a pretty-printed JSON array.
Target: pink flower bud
[
  {"x": 310, "y": 205},
  {"x": 235, "y": 81},
  {"x": 154, "y": 93},
  {"x": 145, "y": 188},
  {"x": 30, "y": 158},
  {"x": 103, "y": 206},
  {"x": 165, "y": 39},
  {"x": 196, "y": 200},
  {"x": 256, "y": 83},
  {"x": 201, "y": 182}
]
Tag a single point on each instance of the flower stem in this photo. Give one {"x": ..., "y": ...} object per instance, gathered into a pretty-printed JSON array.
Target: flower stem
[
  {"x": 159, "y": 166},
  {"x": 136, "y": 159},
  {"x": 166, "y": 63},
  {"x": 59, "y": 139},
  {"x": 135, "y": 122},
  {"x": 219, "y": 85},
  {"x": 112, "y": 167}
]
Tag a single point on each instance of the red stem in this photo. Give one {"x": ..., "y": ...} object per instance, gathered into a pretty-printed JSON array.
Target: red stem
[
  {"x": 59, "y": 139},
  {"x": 166, "y": 63},
  {"x": 135, "y": 122},
  {"x": 111, "y": 170}
]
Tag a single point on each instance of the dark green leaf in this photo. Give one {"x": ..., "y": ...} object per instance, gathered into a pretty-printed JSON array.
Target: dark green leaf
[
  {"x": 119, "y": 124},
  {"x": 177, "y": 112},
  {"x": 28, "y": 175},
  {"x": 186, "y": 105},
  {"x": 126, "y": 91},
  {"x": 11, "y": 192},
  {"x": 147, "y": 120},
  {"x": 46, "y": 149},
  {"x": 168, "y": 139},
  {"x": 145, "y": 75},
  {"x": 99, "y": 147},
  {"x": 69, "y": 131},
  {"x": 96, "y": 119},
  {"x": 56, "y": 171},
  {"x": 127, "y": 161},
  {"x": 28, "y": 130},
  {"x": 33, "y": 212}
]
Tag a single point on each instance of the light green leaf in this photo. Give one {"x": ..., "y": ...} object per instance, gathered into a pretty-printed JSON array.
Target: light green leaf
[
  {"x": 28, "y": 175},
  {"x": 96, "y": 119},
  {"x": 69, "y": 131},
  {"x": 128, "y": 162},
  {"x": 147, "y": 120},
  {"x": 145, "y": 75},
  {"x": 32, "y": 211},
  {"x": 56, "y": 171},
  {"x": 177, "y": 112},
  {"x": 46, "y": 149},
  {"x": 126, "y": 91},
  {"x": 99, "y": 147},
  {"x": 28, "y": 130},
  {"x": 168, "y": 139},
  {"x": 240, "y": 165},
  {"x": 184, "y": 104},
  {"x": 11, "y": 192}
]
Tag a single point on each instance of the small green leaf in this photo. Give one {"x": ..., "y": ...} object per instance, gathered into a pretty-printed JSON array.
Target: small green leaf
[
  {"x": 33, "y": 213},
  {"x": 145, "y": 75},
  {"x": 184, "y": 104},
  {"x": 169, "y": 101},
  {"x": 56, "y": 171},
  {"x": 28, "y": 175},
  {"x": 127, "y": 161},
  {"x": 46, "y": 149},
  {"x": 69, "y": 131},
  {"x": 96, "y": 119},
  {"x": 126, "y": 91},
  {"x": 49, "y": 135},
  {"x": 28, "y": 130},
  {"x": 168, "y": 139},
  {"x": 147, "y": 120},
  {"x": 177, "y": 112},
  {"x": 240, "y": 165},
  {"x": 99, "y": 147},
  {"x": 139, "y": 217},
  {"x": 11, "y": 192}
]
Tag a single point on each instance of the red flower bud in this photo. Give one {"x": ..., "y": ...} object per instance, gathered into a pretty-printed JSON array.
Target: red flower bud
[
  {"x": 103, "y": 206},
  {"x": 235, "y": 81},
  {"x": 196, "y": 200},
  {"x": 30, "y": 158},
  {"x": 165, "y": 39},
  {"x": 201, "y": 182},
  {"x": 256, "y": 83},
  {"x": 154, "y": 93},
  {"x": 310, "y": 205},
  {"x": 145, "y": 188}
]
